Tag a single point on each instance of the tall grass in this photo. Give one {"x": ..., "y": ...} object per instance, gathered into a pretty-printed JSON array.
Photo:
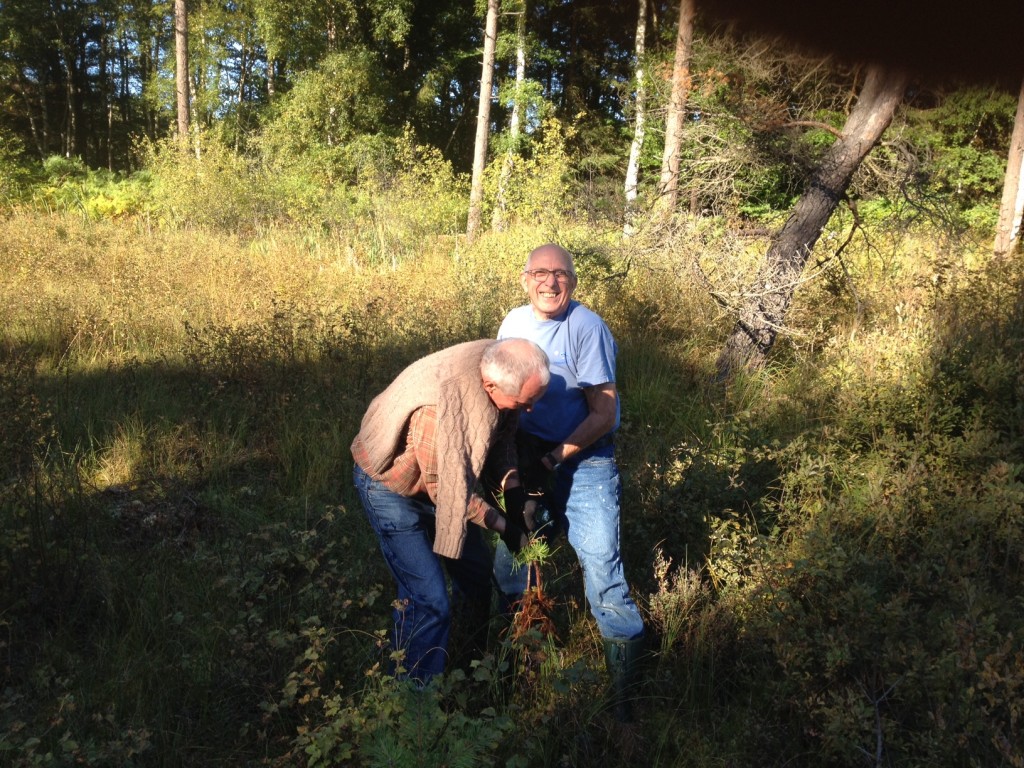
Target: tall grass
[{"x": 828, "y": 552}]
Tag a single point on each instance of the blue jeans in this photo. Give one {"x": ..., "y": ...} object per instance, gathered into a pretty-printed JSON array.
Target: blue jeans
[
  {"x": 423, "y": 611},
  {"x": 585, "y": 504}
]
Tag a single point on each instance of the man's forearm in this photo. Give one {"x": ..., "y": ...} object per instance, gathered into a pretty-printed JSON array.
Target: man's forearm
[
  {"x": 493, "y": 520},
  {"x": 591, "y": 429}
]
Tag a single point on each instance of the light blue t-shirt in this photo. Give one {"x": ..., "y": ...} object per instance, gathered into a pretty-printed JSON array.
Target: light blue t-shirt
[{"x": 582, "y": 352}]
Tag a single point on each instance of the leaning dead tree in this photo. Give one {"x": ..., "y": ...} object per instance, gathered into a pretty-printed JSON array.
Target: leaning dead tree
[{"x": 764, "y": 312}]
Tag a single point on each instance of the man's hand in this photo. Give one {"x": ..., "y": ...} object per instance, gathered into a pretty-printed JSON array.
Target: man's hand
[
  {"x": 515, "y": 501},
  {"x": 513, "y": 537}
]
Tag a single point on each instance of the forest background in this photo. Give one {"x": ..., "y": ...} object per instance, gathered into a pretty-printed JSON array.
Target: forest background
[{"x": 197, "y": 306}]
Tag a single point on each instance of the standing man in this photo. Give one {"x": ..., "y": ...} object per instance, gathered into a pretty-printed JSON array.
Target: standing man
[
  {"x": 566, "y": 449},
  {"x": 447, "y": 422}
]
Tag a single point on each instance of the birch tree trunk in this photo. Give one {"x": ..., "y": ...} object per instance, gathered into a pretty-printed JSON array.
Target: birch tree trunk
[
  {"x": 483, "y": 121},
  {"x": 669, "y": 184},
  {"x": 181, "y": 78},
  {"x": 639, "y": 126},
  {"x": 498, "y": 220},
  {"x": 1012, "y": 206},
  {"x": 768, "y": 301}
]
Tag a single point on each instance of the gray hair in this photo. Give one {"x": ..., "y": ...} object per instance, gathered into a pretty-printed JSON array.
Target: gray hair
[{"x": 510, "y": 362}]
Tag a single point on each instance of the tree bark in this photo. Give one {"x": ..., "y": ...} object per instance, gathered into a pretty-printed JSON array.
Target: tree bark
[
  {"x": 669, "y": 184},
  {"x": 764, "y": 313},
  {"x": 1012, "y": 206},
  {"x": 639, "y": 125},
  {"x": 70, "y": 124},
  {"x": 483, "y": 122},
  {"x": 498, "y": 220},
  {"x": 181, "y": 79}
]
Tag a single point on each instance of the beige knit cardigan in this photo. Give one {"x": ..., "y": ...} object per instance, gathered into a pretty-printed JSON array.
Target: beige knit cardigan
[{"x": 467, "y": 421}]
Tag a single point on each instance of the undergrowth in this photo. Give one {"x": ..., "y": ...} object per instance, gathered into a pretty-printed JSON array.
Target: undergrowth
[{"x": 828, "y": 552}]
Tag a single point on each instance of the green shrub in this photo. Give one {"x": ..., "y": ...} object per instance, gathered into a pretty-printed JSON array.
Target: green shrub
[
  {"x": 15, "y": 174},
  {"x": 885, "y": 598},
  {"x": 408, "y": 198},
  {"x": 215, "y": 187},
  {"x": 67, "y": 186},
  {"x": 877, "y": 628},
  {"x": 330, "y": 120},
  {"x": 542, "y": 188}
]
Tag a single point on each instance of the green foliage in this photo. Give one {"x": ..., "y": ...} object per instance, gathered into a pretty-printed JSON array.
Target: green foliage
[
  {"x": 302, "y": 32},
  {"x": 901, "y": 543},
  {"x": 739, "y": 153},
  {"x": 876, "y": 630},
  {"x": 331, "y": 119},
  {"x": 217, "y": 188},
  {"x": 395, "y": 724},
  {"x": 406, "y": 191},
  {"x": 534, "y": 109},
  {"x": 542, "y": 187},
  {"x": 67, "y": 185},
  {"x": 676, "y": 606},
  {"x": 962, "y": 146},
  {"x": 408, "y": 197},
  {"x": 14, "y": 174},
  {"x": 765, "y": 173}
]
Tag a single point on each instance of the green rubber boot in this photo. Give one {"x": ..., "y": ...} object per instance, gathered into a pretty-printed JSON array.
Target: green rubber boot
[{"x": 622, "y": 658}]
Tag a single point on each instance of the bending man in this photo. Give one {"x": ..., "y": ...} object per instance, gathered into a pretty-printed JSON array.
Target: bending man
[{"x": 446, "y": 422}]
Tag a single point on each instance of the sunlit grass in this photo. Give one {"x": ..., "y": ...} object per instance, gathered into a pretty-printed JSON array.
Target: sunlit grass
[{"x": 188, "y": 577}]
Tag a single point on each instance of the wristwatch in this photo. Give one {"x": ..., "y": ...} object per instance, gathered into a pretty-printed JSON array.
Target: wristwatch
[{"x": 549, "y": 460}]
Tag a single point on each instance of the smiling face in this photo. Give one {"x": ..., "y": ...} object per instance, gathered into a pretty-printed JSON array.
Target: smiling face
[{"x": 549, "y": 295}]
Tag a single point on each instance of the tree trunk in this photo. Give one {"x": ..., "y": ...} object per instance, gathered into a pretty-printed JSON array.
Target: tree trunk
[
  {"x": 498, "y": 220},
  {"x": 38, "y": 139},
  {"x": 70, "y": 126},
  {"x": 768, "y": 301},
  {"x": 1012, "y": 206},
  {"x": 639, "y": 127},
  {"x": 181, "y": 79},
  {"x": 149, "y": 34},
  {"x": 483, "y": 122},
  {"x": 669, "y": 184}
]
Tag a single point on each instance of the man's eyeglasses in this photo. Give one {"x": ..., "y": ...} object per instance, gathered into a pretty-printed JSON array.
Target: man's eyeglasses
[{"x": 540, "y": 275}]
